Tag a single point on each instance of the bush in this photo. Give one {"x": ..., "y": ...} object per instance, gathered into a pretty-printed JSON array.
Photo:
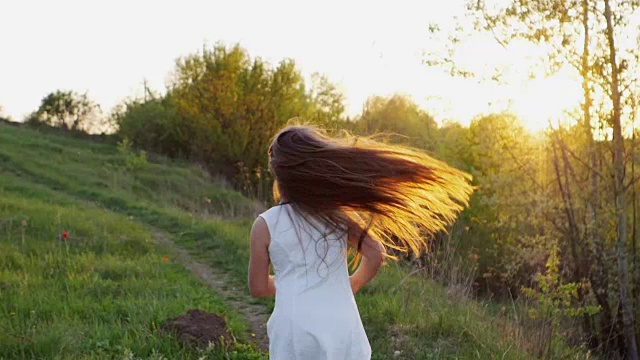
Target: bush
[{"x": 133, "y": 162}]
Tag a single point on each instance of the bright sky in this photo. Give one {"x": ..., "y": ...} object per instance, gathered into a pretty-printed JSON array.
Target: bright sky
[{"x": 367, "y": 47}]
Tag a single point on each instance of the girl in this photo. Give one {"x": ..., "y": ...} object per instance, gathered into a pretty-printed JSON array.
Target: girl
[{"x": 325, "y": 187}]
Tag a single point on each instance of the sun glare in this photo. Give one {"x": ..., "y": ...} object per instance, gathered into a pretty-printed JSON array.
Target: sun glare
[
  {"x": 537, "y": 102},
  {"x": 546, "y": 100}
]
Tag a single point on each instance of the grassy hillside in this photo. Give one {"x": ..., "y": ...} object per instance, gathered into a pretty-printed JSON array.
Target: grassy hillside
[{"x": 103, "y": 291}]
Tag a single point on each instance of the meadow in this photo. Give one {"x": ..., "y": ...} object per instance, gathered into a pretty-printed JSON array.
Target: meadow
[{"x": 97, "y": 247}]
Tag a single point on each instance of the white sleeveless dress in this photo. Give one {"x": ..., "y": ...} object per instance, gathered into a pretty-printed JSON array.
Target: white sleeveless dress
[{"x": 315, "y": 315}]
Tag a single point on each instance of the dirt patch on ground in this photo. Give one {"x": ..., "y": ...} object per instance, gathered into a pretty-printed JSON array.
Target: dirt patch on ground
[
  {"x": 198, "y": 327},
  {"x": 218, "y": 281}
]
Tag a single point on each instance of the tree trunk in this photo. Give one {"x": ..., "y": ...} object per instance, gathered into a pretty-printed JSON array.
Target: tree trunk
[
  {"x": 634, "y": 235},
  {"x": 619, "y": 190},
  {"x": 635, "y": 273},
  {"x": 598, "y": 276}
]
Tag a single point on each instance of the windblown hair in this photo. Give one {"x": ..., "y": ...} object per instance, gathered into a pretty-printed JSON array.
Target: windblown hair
[{"x": 398, "y": 195}]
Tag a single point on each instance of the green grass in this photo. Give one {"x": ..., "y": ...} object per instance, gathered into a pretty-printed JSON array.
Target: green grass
[
  {"x": 101, "y": 292},
  {"x": 104, "y": 291}
]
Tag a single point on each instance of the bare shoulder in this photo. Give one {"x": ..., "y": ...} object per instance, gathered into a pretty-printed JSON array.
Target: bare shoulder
[{"x": 260, "y": 232}]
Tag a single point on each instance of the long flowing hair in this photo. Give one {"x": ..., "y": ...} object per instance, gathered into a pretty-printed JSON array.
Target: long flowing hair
[{"x": 398, "y": 195}]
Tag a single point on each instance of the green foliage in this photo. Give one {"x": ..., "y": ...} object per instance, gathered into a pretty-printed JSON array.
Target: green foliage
[
  {"x": 556, "y": 300},
  {"x": 153, "y": 125},
  {"x": 221, "y": 109},
  {"x": 507, "y": 228},
  {"x": 502, "y": 225},
  {"x": 398, "y": 115},
  {"x": 326, "y": 102},
  {"x": 133, "y": 162}
]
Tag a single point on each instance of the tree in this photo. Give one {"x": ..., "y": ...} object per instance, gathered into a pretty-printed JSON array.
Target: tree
[
  {"x": 221, "y": 109},
  {"x": 232, "y": 105},
  {"x": 328, "y": 103},
  {"x": 583, "y": 35},
  {"x": 153, "y": 124},
  {"x": 398, "y": 114},
  {"x": 453, "y": 145},
  {"x": 508, "y": 232},
  {"x": 68, "y": 110},
  {"x": 620, "y": 186}
]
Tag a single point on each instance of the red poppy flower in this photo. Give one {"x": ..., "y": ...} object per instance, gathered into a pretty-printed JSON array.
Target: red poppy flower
[
  {"x": 165, "y": 258},
  {"x": 65, "y": 234}
]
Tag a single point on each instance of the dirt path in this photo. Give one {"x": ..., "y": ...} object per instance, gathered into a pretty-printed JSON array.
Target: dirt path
[{"x": 254, "y": 315}]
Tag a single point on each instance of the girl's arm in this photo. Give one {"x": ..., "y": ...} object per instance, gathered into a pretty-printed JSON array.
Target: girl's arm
[
  {"x": 372, "y": 257},
  {"x": 261, "y": 284}
]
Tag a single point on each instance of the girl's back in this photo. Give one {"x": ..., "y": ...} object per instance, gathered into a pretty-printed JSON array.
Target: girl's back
[
  {"x": 378, "y": 194},
  {"x": 315, "y": 315}
]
